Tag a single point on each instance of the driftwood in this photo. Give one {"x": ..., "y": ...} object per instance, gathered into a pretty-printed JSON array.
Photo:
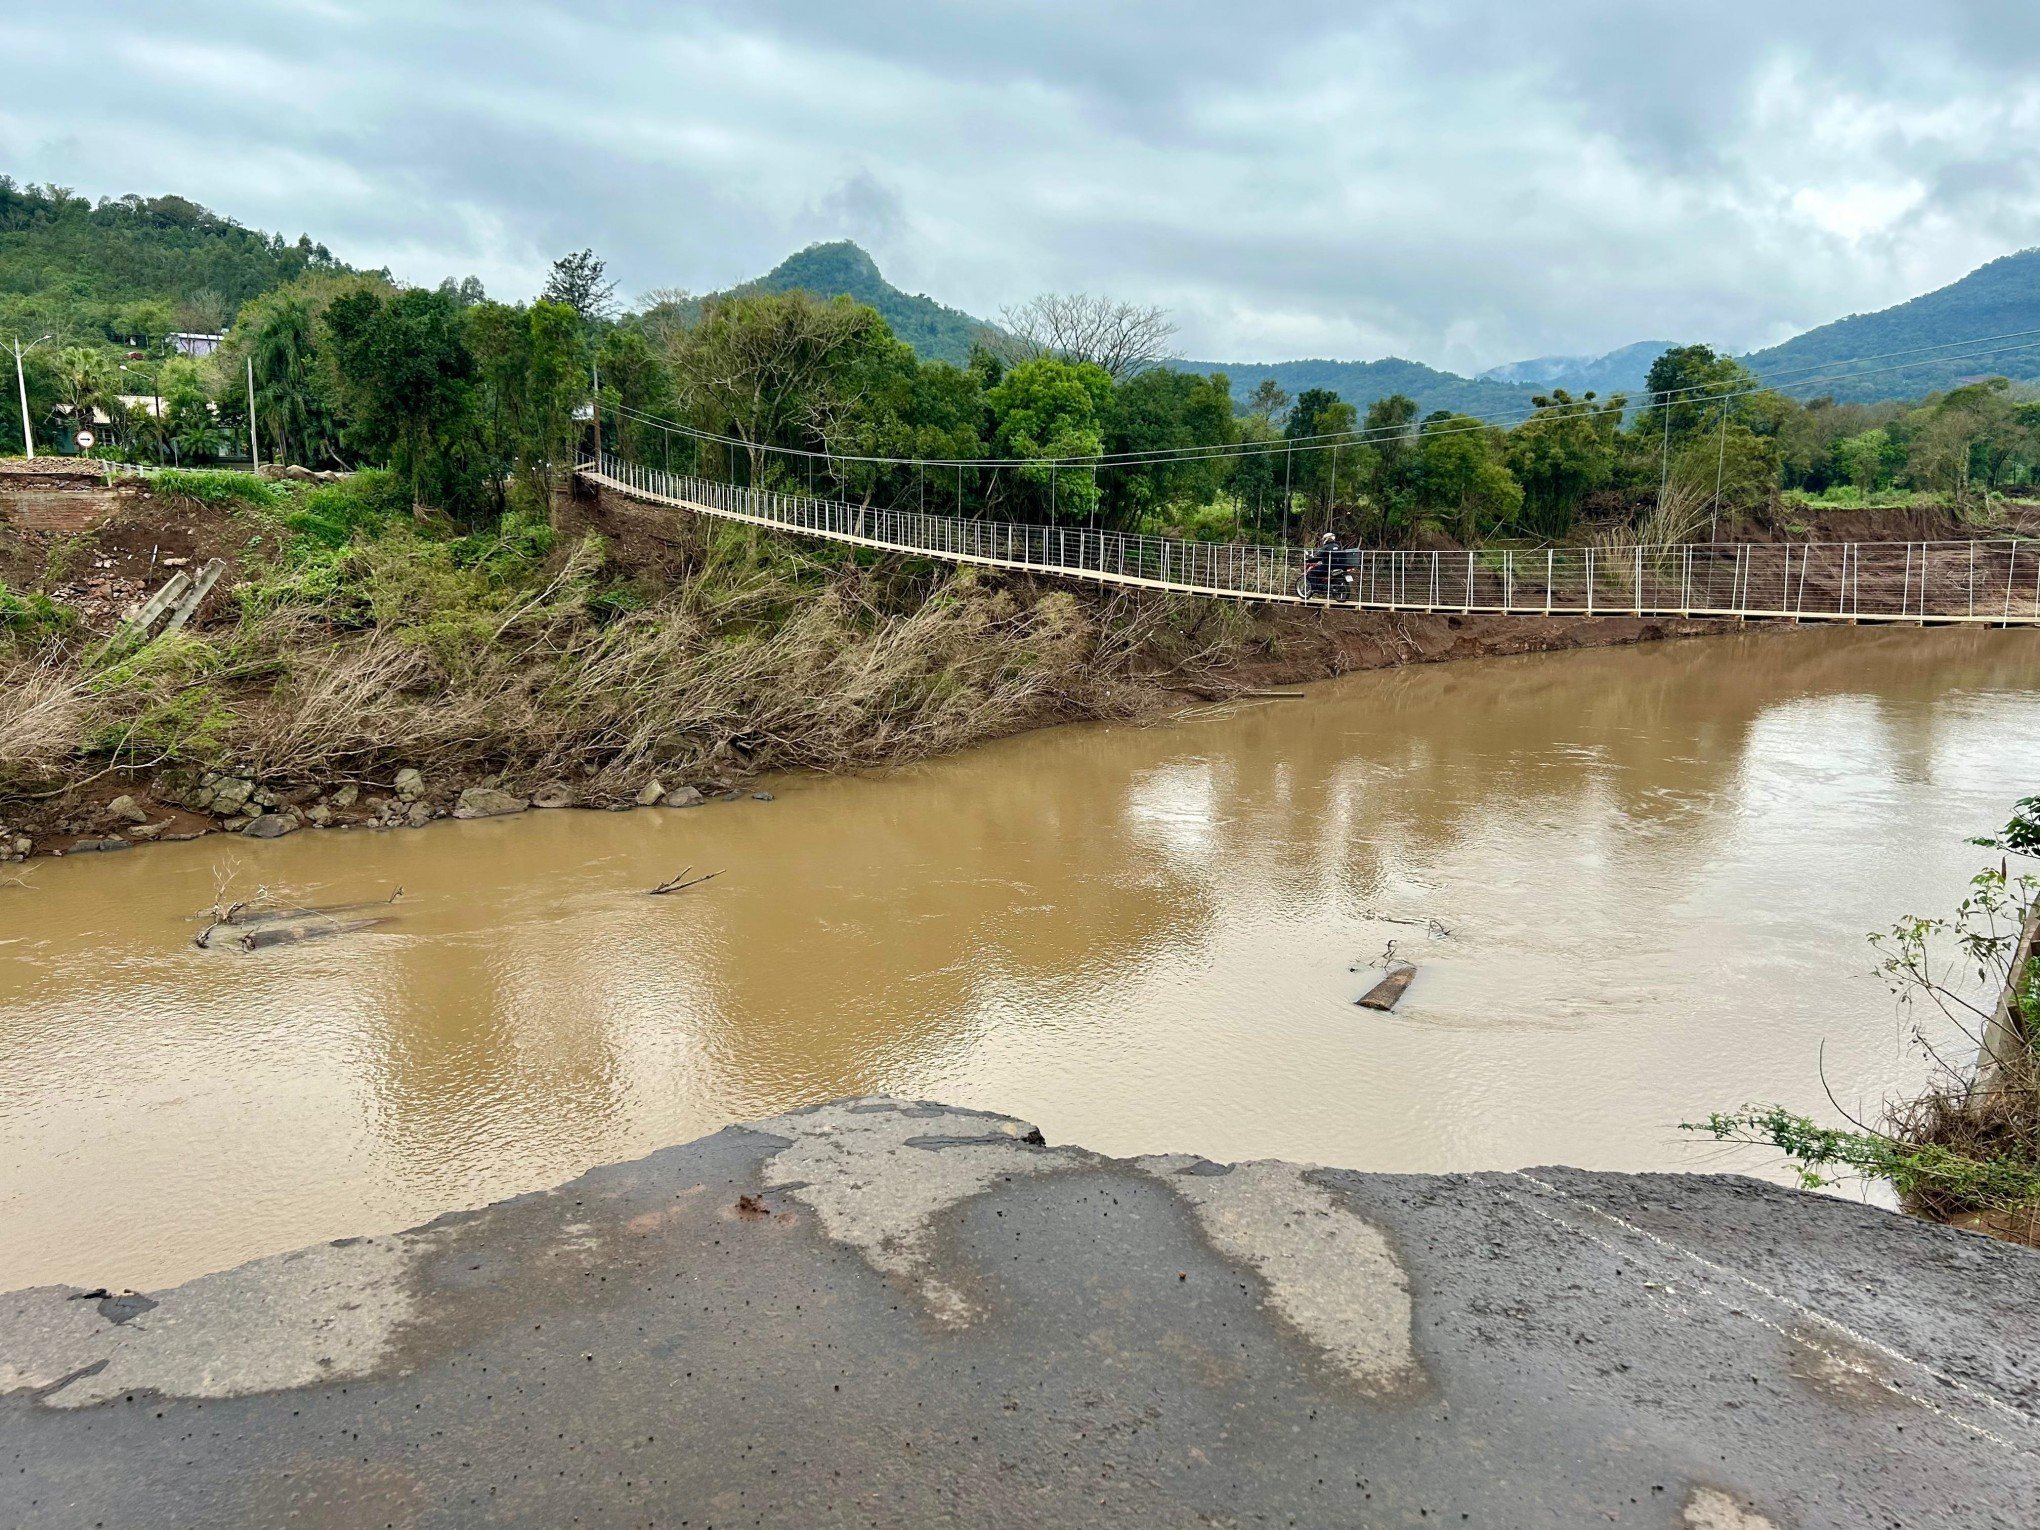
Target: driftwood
[
  {"x": 1384, "y": 994},
  {"x": 1396, "y": 975},
  {"x": 251, "y": 929},
  {"x": 1436, "y": 930},
  {"x": 680, "y": 883}
]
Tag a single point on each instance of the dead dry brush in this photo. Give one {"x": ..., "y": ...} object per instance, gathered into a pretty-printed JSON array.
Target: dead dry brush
[{"x": 740, "y": 662}]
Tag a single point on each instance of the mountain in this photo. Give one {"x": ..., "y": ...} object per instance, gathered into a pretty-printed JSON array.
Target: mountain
[
  {"x": 936, "y": 333},
  {"x": 134, "y": 267},
  {"x": 1360, "y": 383},
  {"x": 1840, "y": 359},
  {"x": 1622, "y": 371}
]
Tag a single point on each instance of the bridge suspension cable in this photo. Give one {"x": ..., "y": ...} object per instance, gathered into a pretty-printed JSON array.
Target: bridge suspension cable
[{"x": 1702, "y": 394}]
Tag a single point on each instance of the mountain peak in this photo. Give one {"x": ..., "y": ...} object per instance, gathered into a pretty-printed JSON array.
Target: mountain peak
[
  {"x": 841, "y": 268},
  {"x": 829, "y": 261}
]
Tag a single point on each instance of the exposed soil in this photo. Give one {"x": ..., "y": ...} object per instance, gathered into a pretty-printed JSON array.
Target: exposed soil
[
  {"x": 106, "y": 570},
  {"x": 1900, "y": 523}
]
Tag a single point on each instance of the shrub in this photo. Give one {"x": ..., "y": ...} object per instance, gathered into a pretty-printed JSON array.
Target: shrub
[
  {"x": 33, "y": 617},
  {"x": 1970, "y": 1142},
  {"x": 333, "y": 514},
  {"x": 215, "y": 486}
]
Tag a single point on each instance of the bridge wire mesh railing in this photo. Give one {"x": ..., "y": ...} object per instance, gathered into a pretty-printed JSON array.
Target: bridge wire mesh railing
[{"x": 1995, "y": 581}]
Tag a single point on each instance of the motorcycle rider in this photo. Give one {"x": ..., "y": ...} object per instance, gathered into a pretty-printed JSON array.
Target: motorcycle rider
[{"x": 1318, "y": 567}]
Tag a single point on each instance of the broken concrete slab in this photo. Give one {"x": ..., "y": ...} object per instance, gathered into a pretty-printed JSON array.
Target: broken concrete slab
[{"x": 885, "y": 1311}]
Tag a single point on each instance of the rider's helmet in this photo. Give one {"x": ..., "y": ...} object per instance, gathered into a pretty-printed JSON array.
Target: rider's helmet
[{"x": 1329, "y": 539}]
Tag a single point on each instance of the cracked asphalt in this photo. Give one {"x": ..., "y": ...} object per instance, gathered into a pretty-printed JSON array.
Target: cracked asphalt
[{"x": 885, "y": 1313}]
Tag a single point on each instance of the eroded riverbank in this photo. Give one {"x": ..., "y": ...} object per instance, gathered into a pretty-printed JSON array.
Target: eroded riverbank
[
  {"x": 110, "y": 810},
  {"x": 1657, "y": 864}
]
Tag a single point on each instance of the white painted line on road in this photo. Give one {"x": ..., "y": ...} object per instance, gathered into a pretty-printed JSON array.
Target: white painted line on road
[{"x": 1843, "y": 1329}]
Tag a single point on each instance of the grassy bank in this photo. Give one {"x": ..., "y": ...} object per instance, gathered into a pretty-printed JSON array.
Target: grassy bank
[{"x": 358, "y": 639}]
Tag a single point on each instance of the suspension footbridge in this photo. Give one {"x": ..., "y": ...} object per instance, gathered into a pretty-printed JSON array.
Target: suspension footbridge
[{"x": 1993, "y": 583}]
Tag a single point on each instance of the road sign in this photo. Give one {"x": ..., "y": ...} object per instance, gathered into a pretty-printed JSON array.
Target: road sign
[{"x": 85, "y": 440}]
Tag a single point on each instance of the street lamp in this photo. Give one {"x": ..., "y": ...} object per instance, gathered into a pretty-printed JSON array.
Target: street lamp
[{"x": 21, "y": 382}]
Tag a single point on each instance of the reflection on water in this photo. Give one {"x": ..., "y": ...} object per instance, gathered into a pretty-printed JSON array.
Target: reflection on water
[{"x": 1657, "y": 866}]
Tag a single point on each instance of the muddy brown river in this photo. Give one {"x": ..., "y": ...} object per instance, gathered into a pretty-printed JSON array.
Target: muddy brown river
[{"x": 1657, "y": 867}]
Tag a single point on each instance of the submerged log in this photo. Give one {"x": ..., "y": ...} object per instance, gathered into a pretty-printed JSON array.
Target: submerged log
[
  {"x": 1384, "y": 994},
  {"x": 291, "y": 934},
  {"x": 240, "y": 927},
  {"x": 242, "y": 938}
]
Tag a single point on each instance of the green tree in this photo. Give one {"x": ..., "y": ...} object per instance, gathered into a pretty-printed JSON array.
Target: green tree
[
  {"x": 581, "y": 282},
  {"x": 1048, "y": 408},
  {"x": 291, "y": 406},
  {"x": 191, "y": 431},
  {"x": 1562, "y": 453},
  {"x": 1460, "y": 477},
  {"x": 1973, "y": 435},
  {"x": 530, "y": 379},
  {"x": 1320, "y": 468},
  {"x": 1255, "y": 476},
  {"x": 408, "y": 384},
  {"x": 773, "y": 369},
  {"x": 1391, "y": 433},
  {"x": 1268, "y": 402},
  {"x": 1698, "y": 383},
  {"x": 1163, "y": 410},
  {"x": 636, "y": 382},
  {"x": 85, "y": 380},
  {"x": 1863, "y": 460},
  {"x": 907, "y": 408}
]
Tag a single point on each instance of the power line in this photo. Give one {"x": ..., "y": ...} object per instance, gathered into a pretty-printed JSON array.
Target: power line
[{"x": 1458, "y": 424}]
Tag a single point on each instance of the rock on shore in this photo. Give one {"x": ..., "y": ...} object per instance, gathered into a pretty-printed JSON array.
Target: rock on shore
[{"x": 908, "y": 1314}]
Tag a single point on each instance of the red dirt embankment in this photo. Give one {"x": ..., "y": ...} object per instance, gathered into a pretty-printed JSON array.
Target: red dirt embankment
[{"x": 1320, "y": 645}]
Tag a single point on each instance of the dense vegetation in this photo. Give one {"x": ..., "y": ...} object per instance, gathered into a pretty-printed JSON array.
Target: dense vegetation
[
  {"x": 472, "y": 403},
  {"x": 363, "y": 638},
  {"x": 131, "y": 270}
]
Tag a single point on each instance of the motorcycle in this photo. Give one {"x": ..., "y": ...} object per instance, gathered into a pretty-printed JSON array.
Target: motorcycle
[{"x": 1331, "y": 575}]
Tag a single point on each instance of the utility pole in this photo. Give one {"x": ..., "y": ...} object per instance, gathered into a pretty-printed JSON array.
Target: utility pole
[
  {"x": 254, "y": 449},
  {"x": 21, "y": 382},
  {"x": 595, "y": 408}
]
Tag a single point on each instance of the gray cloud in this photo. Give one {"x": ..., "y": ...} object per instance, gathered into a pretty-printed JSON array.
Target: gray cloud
[{"x": 1461, "y": 181}]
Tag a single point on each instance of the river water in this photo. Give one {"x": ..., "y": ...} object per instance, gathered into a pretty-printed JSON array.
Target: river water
[{"x": 1657, "y": 866}]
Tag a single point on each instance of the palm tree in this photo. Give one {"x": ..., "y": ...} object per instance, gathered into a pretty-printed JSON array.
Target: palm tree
[
  {"x": 84, "y": 381},
  {"x": 287, "y": 403}
]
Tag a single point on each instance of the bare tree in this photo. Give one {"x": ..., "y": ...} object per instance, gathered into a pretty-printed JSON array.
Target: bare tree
[
  {"x": 1120, "y": 337},
  {"x": 667, "y": 313}
]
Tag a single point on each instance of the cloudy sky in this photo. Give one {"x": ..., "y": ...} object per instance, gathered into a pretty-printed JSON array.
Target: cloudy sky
[{"x": 1465, "y": 182}]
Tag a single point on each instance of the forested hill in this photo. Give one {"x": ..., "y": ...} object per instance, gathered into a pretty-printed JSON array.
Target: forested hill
[
  {"x": 131, "y": 269},
  {"x": 1360, "y": 383},
  {"x": 1998, "y": 299},
  {"x": 936, "y": 333}
]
